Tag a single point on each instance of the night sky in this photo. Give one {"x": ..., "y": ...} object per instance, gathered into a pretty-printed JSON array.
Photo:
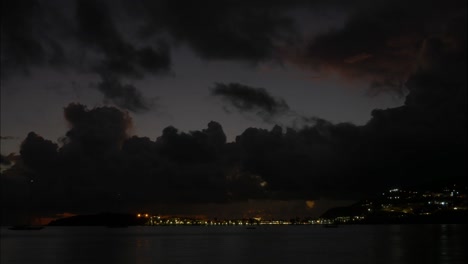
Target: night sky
[{"x": 228, "y": 108}]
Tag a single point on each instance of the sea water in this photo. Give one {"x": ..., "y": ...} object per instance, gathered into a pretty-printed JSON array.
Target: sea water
[{"x": 427, "y": 244}]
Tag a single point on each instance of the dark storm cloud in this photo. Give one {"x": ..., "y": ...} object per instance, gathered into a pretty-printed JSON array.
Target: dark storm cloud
[
  {"x": 220, "y": 29},
  {"x": 37, "y": 33},
  {"x": 87, "y": 39},
  {"x": 121, "y": 59},
  {"x": 38, "y": 152},
  {"x": 97, "y": 29},
  {"x": 303, "y": 164},
  {"x": 192, "y": 167},
  {"x": 381, "y": 42},
  {"x": 97, "y": 130},
  {"x": 28, "y": 30},
  {"x": 99, "y": 167},
  {"x": 250, "y": 99},
  {"x": 125, "y": 96},
  {"x": 437, "y": 89},
  {"x": 85, "y": 173},
  {"x": 421, "y": 143},
  {"x": 427, "y": 136}
]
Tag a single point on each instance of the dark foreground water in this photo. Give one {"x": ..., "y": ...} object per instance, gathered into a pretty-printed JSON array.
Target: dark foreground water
[{"x": 265, "y": 244}]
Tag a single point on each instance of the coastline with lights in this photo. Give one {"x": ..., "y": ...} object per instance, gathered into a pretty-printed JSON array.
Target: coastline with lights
[{"x": 394, "y": 206}]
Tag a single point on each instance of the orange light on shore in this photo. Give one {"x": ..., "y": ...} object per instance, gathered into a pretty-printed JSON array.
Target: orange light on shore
[
  {"x": 138, "y": 215},
  {"x": 310, "y": 204}
]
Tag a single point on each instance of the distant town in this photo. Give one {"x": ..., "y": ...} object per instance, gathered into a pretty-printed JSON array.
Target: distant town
[
  {"x": 394, "y": 206},
  {"x": 447, "y": 205}
]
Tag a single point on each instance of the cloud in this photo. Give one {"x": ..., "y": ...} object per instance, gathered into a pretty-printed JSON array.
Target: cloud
[
  {"x": 84, "y": 38},
  {"x": 97, "y": 29},
  {"x": 98, "y": 166},
  {"x": 381, "y": 42},
  {"x": 125, "y": 96},
  {"x": 427, "y": 136},
  {"x": 25, "y": 42},
  {"x": 250, "y": 99},
  {"x": 86, "y": 172},
  {"x": 38, "y": 153},
  {"x": 98, "y": 130},
  {"x": 121, "y": 59},
  {"x": 221, "y": 29},
  {"x": 131, "y": 39},
  {"x": 437, "y": 88},
  {"x": 302, "y": 164}
]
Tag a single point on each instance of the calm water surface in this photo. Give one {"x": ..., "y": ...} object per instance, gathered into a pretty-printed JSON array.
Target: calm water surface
[{"x": 265, "y": 244}]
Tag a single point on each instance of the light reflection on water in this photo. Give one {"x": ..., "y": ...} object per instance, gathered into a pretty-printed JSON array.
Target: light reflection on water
[{"x": 266, "y": 244}]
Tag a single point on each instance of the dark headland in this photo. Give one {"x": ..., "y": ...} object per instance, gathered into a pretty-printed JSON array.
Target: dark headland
[{"x": 102, "y": 219}]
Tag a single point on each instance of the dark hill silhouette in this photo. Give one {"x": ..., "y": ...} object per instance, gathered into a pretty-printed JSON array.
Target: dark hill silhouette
[{"x": 103, "y": 219}]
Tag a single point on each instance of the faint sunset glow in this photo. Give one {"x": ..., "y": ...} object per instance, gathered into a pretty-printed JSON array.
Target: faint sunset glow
[{"x": 310, "y": 204}]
